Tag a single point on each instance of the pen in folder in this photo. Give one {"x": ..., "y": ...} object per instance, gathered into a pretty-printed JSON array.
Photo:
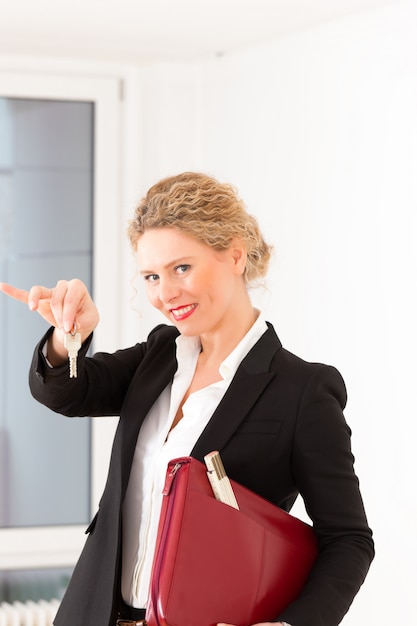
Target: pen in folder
[{"x": 219, "y": 481}]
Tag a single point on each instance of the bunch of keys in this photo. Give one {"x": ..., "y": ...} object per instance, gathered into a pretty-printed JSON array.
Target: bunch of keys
[{"x": 72, "y": 342}]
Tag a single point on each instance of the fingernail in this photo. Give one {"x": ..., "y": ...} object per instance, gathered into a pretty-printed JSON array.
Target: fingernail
[{"x": 31, "y": 305}]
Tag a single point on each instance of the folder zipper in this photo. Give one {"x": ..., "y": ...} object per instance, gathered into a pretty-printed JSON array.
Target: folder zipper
[
  {"x": 168, "y": 490},
  {"x": 169, "y": 479}
]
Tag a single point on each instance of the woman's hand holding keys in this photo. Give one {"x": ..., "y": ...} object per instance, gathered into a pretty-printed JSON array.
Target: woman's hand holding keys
[{"x": 66, "y": 306}]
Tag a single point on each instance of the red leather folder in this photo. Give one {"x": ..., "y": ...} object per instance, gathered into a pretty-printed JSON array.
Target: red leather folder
[{"x": 214, "y": 563}]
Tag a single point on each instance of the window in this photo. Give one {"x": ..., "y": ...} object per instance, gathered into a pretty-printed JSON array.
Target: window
[
  {"x": 46, "y": 220},
  {"x": 59, "y": 187}
]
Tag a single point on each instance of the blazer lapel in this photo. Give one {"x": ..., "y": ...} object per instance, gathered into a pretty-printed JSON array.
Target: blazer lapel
[
  {"x": 251, "y": 379},
  {"x": 145, "y": 389}
]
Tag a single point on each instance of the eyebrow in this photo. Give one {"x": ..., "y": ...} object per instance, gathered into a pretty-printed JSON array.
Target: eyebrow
[{"x": 180, "y": 261}]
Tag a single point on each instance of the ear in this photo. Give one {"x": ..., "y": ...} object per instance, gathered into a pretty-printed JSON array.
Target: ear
[{"x": 239, "y": 255}]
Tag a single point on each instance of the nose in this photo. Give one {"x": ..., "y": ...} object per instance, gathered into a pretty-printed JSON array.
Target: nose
[{"x": 168, "y": 290}]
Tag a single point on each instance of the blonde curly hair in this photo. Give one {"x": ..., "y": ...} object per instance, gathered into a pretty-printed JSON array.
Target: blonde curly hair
[{"x": 206, "y": 209}]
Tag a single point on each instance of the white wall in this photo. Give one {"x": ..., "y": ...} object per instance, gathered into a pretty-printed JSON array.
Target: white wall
[{"x": 318, "y": 131}]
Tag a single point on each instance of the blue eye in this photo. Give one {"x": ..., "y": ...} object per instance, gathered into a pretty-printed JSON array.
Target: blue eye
[
  {"x": 181, "y": 269},
  {"x": 152, "y": 278}
]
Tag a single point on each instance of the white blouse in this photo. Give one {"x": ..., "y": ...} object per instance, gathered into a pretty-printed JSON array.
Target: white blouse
[{"x": 157, "y": 445}]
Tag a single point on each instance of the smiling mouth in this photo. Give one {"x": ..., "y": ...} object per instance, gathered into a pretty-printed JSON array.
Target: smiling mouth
[{"x": 183, "y": 312}]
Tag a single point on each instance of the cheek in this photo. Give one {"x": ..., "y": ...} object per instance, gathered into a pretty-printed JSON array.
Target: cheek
[{"x": 152, "y": 295}]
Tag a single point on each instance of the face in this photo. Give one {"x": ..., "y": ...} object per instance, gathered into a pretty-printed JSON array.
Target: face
[{"x": 197, "y": 288}]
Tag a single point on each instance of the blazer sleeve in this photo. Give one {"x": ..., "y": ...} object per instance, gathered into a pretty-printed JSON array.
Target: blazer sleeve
[
  {"x": 101, "y": 384},
  {"x": 323, "y": 468}
]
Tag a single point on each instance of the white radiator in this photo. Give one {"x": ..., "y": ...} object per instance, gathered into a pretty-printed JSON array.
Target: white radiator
[{"x": 28, "y": 613}]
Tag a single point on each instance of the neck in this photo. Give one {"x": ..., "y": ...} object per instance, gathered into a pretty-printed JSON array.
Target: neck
[{"x": 217, "y": 346}]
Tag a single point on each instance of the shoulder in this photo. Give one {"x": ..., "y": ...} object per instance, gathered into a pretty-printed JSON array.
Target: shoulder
[
  {"x": 297, "y": 372},
  {"x": 162, "y": 333},
  {"x": 160, "y": 341}
]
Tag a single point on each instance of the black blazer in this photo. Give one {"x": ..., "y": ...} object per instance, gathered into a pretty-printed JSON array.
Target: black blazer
[{"x": 280, "y": 430}]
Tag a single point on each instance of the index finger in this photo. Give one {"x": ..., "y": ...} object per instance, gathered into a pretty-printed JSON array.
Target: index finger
[{"x": 18, "y": 294}]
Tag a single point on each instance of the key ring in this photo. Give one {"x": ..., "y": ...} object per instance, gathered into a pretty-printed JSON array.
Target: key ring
[{"x": 74, "y": 329}]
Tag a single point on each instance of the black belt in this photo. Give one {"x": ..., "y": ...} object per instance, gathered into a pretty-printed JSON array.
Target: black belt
[{"x": 130, "y": 616}]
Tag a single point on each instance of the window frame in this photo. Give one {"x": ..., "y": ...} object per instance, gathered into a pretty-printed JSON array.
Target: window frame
[{"x": 60, "y": 546}]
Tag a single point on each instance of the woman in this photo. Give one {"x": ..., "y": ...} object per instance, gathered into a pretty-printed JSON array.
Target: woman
[{"x": 216, "y": 377}]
